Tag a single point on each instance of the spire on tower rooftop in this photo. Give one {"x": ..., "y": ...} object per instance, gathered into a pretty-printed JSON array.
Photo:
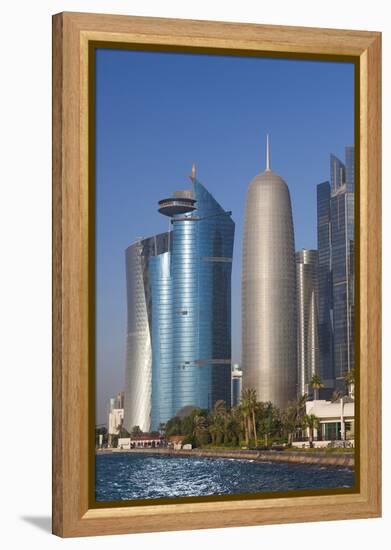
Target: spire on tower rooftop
[{"x": 267, "y": 154}]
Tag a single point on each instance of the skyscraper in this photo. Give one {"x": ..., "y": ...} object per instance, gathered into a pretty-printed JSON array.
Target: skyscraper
[
  {"x": 325, "y": 286},
  {"x": 336, "y": 271},
  {"x": 269, "y": 336},
  {"x": 191, "y": 297},
  {"x": 179, "y": 311},
  {"x": 138, "y": 370},
  {"x": 342, "y": 265},
  {"x": 307, "y": 319}
]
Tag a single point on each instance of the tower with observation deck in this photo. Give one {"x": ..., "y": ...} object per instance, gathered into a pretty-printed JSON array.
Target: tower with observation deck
[{"x": 187, "y": 309}]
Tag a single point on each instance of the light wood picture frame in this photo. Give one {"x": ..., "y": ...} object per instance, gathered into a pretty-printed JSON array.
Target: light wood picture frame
[{"x": 73, "y": 382}]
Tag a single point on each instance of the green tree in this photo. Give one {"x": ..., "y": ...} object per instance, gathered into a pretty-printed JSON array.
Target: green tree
[
  {"x": 293, "y": 417},
  {"x": 267, "y": 417},
  {"x": 336, "y": 396},
  {"x": 122, "y": 432},
  {"x": 217, "y": 421},
  {"x": 288, "y": 418},
  {"x": 311, "y": 422},
  {"x": 136, "y": 431},
  {"x": 188, "y": 421},
  {"x": 238, "y": 423},
  {"x": 101, "y": 430},
  {"x": 200, "y": 430},
  {"x": 249, "y": 406},
  {"x": 350, "y": 380},
  {"x": 232, "y": 427},
  {"x": 174, "y": 426},
  {"x": 316, "y": 384}
]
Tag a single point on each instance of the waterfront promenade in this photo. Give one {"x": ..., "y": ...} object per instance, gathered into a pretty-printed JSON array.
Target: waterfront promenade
[{"x": 320, "y": 458}]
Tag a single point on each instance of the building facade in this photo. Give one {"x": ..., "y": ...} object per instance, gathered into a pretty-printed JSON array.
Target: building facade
[
  {"x": 191, "y": 297},
  {"x": 325, "y": 286},
  {"x": 138, "y": 370},
  {"x": 342, "y": 265},
  {"x": 236, "y": 380},
  {"x": 179, "y": 312},
  {"x": 307, "y": 319},
  {"x": 116, "y": 417},
  {"x": 336, "y": 271},
  {"x": 269, "y": 323},
  {"x": 115, "y": 413},
  {"x": 336, "y": 419}
]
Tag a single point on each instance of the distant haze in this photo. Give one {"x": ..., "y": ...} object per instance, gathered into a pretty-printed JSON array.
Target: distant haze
[{"x": 157, "y": 113}]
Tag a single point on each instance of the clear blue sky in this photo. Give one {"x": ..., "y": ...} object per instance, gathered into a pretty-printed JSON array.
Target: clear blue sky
[{"x": 157, "y": 113}]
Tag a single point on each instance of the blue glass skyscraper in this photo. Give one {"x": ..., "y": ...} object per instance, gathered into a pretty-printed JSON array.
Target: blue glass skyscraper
[
  {"x": 191, "y": 306},
  {"x": 179, "y": 311}
]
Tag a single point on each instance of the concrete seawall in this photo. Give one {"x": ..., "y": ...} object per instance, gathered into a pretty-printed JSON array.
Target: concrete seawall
[{"x": 329, "y": 459}]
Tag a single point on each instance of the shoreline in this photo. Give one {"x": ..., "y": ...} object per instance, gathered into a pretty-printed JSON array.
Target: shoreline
[{"x": 339, "y": 459}]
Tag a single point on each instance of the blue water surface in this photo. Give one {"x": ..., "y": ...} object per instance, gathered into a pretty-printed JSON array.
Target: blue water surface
[{"x": 127, "y": 476}]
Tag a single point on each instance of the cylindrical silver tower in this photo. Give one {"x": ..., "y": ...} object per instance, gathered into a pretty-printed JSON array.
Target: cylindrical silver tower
[
  {"x": 269, "y": 338},
  {"x": 307, "y": 319}
]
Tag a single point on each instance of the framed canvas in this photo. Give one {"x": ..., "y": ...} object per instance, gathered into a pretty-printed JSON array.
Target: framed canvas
[{"x": 190, "y": 439}]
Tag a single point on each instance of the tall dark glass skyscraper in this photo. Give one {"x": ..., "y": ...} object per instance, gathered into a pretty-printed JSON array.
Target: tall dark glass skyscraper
[
  {"x": 182, "y": 292},
  {"x": 325, "y": 286},
  {"x": 342, "y": 266},
  {"x": 336, "y": 269}
]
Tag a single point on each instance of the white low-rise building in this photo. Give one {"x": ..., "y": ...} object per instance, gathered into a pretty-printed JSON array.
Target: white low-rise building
[
  {"x": 140, "y": 442},
  {"x": 336, "y": 422},
  {"x": 124, "y": 443}
]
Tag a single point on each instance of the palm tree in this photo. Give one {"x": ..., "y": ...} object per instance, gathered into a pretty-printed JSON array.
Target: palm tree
[
  {"x": 288, "y": 418},
  {"x": 350, "y": 380},
  {"x": 268, "y": 422},
  {"x": 213, "y": 433},
  {"x": 254, "y": 406},
  {"x": 122, "y": 432},
  {"x": 219, "y": 407},
  {"x": 336, "y": 396},
  {"x": 316, "y": 384},
  {"x": 243, "y": 412},
  {"x": 249, "y": 402},
  {"x": 232, "y": 427},
  {"x": 136, "y": 431},
  {"x": 217, "y": 422},
  {"x": 238, "y": 417},
  {"x": 200, "y": 430},
  {"x": 301, "y": 409},
  {"x": 293, "y": 416},
  {"x": 311, "y": 422},
  {"x": 173, "y": 426}
]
